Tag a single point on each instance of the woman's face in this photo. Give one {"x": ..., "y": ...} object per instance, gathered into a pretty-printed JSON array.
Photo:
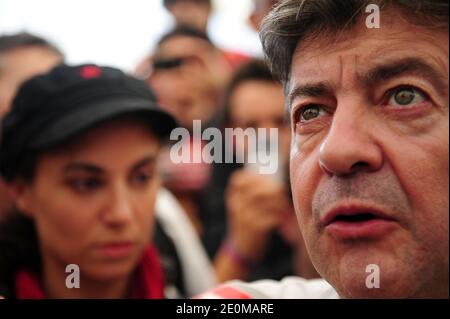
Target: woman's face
[{"x": 93, "y": 201}]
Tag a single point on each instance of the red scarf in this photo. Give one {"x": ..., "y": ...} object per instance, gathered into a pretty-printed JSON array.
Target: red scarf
[{"x": 148, "y": 282}]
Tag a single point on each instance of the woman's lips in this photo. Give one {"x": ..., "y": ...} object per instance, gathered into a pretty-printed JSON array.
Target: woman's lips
[{"x": 116, "y": 250}]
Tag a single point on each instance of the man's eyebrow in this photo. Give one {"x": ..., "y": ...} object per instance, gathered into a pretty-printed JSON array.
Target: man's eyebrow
[
  {"x": 84, "y": 167},
  {"x": 416, "y": 66},
  {"x": 309, "y": 90}
]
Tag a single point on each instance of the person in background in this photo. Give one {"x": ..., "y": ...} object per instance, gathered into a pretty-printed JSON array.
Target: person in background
[
  {"x": 79, "y": 154},
  {"x": 180, "y": 250},
  {"x": 22, "y": 56},
  {"x": 253, "y": 223},
  {"x": 260, "y": 10},
  {"x": 189, "y": 78},
  {"x": 189, "y": 75},
  {"x": 194, "y": 13},
  {"x": 197, "y": 14}
]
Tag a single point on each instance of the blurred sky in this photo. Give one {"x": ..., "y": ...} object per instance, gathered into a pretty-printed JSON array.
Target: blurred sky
[{"x": 119, "y": 32}]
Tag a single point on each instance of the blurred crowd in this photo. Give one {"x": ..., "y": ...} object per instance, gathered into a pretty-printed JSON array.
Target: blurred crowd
[{"x": 207, "y": 223}]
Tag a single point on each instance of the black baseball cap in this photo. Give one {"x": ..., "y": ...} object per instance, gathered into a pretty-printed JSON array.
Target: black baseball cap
[{"x": 50, "y": 109}]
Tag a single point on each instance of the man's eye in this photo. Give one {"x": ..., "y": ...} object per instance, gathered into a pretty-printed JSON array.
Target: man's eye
[
  {"x": 309, "y": 113},
  {"x": 406, "y": 96}
]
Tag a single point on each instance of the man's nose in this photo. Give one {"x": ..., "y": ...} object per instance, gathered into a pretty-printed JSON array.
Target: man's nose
[
  {"x": 119, "y": 209},
  {"x": 349, "y": 146}
]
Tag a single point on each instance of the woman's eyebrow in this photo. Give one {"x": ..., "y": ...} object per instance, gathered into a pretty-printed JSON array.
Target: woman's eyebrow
[
  {"x": 84, "y": 167},
  {"x": 151, "y": 159},
  {"x": 94, "y": 169}
]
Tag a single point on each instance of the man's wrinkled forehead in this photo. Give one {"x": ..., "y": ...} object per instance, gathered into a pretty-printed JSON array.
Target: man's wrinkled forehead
[{"x": 353, "y": 56}]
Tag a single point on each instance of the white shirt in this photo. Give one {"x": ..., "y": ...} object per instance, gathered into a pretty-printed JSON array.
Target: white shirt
[
  {"x": 198, "y": 272},
  {"x": 288, "y": 288}
]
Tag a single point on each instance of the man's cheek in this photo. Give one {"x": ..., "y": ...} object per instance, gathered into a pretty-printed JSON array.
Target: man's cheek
[
  {"x": 295, "y": 184},
  {"x": 302, "y": 204}
]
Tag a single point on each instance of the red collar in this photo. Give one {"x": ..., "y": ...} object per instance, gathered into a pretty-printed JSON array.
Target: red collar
[{"x": 148, "y": 282}]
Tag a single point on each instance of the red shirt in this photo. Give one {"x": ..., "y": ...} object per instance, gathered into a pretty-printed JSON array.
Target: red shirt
[{"x": 148, "y": 282}]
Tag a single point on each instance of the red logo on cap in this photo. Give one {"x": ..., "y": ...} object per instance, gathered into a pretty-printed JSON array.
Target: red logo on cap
[{"x": 90, "y": 71}]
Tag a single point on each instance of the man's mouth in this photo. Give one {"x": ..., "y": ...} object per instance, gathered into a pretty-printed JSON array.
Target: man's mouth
[
  {"x": 357, "y": 218},
  {"x": 352, "y": 222}
]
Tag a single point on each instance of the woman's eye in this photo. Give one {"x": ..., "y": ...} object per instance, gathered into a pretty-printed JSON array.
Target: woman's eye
[
  {"x": 309, "y": 113},
  {"x": 85, "y": 185},
  {"x": 406, "y": 97},
  {"x": 141, "y": 178}
]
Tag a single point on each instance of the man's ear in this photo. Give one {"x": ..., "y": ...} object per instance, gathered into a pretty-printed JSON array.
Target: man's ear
[{"x": 20, "y": 192}]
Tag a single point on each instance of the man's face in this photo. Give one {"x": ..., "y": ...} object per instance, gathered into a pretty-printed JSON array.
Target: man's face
[
  {"x": 189, "y": 91},
  {"x": 93, "y": 201},
  {"x": 370, "y": 141},
  {"x": 192, "y": 13},
  {"x": 19, "y": 65}
]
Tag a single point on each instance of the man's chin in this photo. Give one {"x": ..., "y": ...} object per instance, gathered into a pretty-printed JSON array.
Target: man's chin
[
  {"x": 365, "y": 275},
  {"x": 364, "y": 293}
]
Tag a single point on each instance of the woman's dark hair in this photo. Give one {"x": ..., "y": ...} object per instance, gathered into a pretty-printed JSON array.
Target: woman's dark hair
[
  {"x": 18, "y": 238},
  {"x": 293, "y": 21},
  {"x": 18, "y": 248}
]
